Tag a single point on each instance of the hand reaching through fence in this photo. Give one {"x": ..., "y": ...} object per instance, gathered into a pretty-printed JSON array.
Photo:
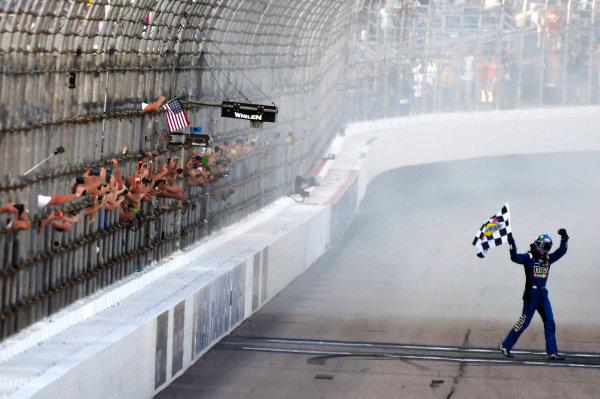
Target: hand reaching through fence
[
  {"x": 91, "y": 210},
  {"x": 20, "y": 219},
  {"x": 65, "y": 223}
]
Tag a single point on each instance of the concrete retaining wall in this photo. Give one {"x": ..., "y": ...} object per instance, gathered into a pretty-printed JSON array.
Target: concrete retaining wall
[{"x": 208, "y": 297}]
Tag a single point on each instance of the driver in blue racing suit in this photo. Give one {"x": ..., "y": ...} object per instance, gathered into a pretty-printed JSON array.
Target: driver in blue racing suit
[{"x": 537, "y": 267}]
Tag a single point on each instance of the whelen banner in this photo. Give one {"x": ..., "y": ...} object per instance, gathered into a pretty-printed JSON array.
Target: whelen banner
[{"x": 249, "y": 112}]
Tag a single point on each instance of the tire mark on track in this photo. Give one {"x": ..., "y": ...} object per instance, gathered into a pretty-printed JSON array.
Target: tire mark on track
[
  {"x": 322, "y": 350},
  {"x": 461, "y": 367}
]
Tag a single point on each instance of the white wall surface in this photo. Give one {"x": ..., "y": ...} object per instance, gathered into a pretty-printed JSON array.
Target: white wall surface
[{"x": 445, "y": 137}]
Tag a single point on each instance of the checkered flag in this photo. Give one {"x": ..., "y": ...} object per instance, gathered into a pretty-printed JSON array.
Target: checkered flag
[{"x": 493, "y": 232}]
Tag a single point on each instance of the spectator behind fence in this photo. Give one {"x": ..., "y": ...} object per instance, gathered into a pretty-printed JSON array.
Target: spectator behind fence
[
  {"x": 448, "y": 83},
  {"x": 97, "y": 203},
  {"x": 195, "y": 172},
  {"x": 554, "y": 22},
  {"x": 112, "y": 190},
  {"x": 493, "y": 75},
  {"x": 417, "y": 73},
  {"x": 228, "y": 154},
  {"x": 223, "y": 195},
  {"x": 114, "y": 197},
  {"x": 164, "y": 190},
  {"x": 140, "y": 186},
  {"x": 90, "y": 183},
  {"x": 536, "y": 21},
  {"x": 127, "y": 211},
  {"x": 161, "y": 186},
  {"x": 59, "y": 221},
  {"x": 466, "y": 80},
  {"x": 482, "y": 76},
  {"x": 65, "y": 222},
  {"x": 20, "y": 220},
  {"x": 174, "y": 169},
  {"x": 132, "y": 202},
  {"x": 383, "y": 20},
  {"x": 508, "y": 89},
  {"x": 44, "y": 200},
  {"x": 431, "y": 71}
]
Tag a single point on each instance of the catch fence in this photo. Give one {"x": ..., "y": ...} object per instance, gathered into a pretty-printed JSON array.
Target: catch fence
[{"x": 74, "y": 75}]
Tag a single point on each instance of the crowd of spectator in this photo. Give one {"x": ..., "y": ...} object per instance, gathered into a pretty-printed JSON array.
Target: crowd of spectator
[
  {"x": 410, "y": 19},
  {"x": 460, "y": 80},
  {"x": 109, "y": 190},
  {"x": 551, "y": 64},
  {"x": 522, "y": 12}
]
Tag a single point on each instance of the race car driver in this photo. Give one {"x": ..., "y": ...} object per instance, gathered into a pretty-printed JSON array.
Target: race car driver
[{"x": 537, "y": 264}]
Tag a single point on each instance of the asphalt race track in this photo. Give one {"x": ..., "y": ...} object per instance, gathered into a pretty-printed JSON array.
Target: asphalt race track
[{"x": 401, "y": 307}]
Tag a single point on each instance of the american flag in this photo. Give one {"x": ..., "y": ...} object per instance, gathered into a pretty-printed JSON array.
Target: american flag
[{"x": 176, "y": 117}]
